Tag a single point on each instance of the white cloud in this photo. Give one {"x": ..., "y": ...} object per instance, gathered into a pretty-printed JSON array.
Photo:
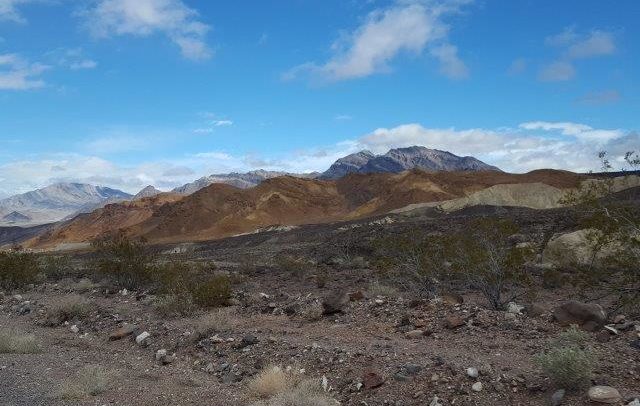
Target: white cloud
[
  {"x": 557, "y": 72},
  {"x": 602, "y": 97},
  {"x": 71, "y": 58},
  {"x": 16, "y": 73},
  {"x": 406, "y": 27},
  {"x": 579, "y": 131},
  {"x": 517, "y": 67},
  {"x": 450, "y": 63},
  {"x": 598, "y": 43},
  {"x": 342, "y": 117},
  {"x": 222, "y": 123},
  {"x": 172, "y": 18},
  {"x": 575, "y": 46},
  {"x": 565, "y": 145},
  {"x": 9, "y": 10}
]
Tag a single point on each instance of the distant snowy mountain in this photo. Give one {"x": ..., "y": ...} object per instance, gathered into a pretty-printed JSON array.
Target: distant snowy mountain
[
  {"x": 54, "y": 203},
  {"x": 402, "y": 159}
]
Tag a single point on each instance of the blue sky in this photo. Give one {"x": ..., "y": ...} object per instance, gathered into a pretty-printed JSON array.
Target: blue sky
[{"x": 133, "y": 92}]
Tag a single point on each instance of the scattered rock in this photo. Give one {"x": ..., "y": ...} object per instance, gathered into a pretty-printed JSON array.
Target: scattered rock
[
  {"x": 611, "y": 330},
  {"x": 453, "y": 321},
  {"x": 589, "y": 316},
  {"x": 477, "y": 387},
  {"x": 122, "y": 332},
  {"x": 142, "y": 338},
  {"x": 334, "y": 303},
  {"x": 356, "y": 296},
  {"x": 635, "y": 344},
  {"x": 164, "y": 358},
  {"x": 604, "y": 394},
  {"x": 635, "y": 402},
  {"x": 557, "y": 397},
  {"x": 534, "y": 310},
  {"x": 514, "y": 308},
  {"x": 472, "y": 373},
  {"x": 435, "y": 402},
  {"x": 412, "y": 369},
  {"x": 415, "y": 334},
  {"x": 452, "y": 299},
  {"x": 620, "y": 318},
  {"x": 603, "y": 336},
  {"x": 74, "y": 329},
  {"x": 372, "y": 380}
]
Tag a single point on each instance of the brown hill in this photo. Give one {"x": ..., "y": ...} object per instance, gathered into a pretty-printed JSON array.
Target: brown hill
[
  {"x": 112, "y": 217},
  {"x": 221, "y": 210}
]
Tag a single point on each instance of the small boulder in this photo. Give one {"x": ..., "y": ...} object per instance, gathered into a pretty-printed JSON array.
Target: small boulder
[
  {"x": 557, "y": 397},
  {"x": 415, "y": 334},
  {"x": 142, "y": 338},
  {"x": 122, "y": 332},
  {"x": 604, "y": 394},
  {"x": 472, "y": 373},
  {"x": 589, "y": 316},
  {"x": 477, "y": 387},
  {"x": 372, "y": 380},
  {"x": 334, "y": 303},
  {"x": 453, "y": 321},
  {"x": 74, "y": 329}
]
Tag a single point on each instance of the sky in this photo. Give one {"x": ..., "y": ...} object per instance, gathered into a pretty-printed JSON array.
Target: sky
[{"x": 126, "y": 93}]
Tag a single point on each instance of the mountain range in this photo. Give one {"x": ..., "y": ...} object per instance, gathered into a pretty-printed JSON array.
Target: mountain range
[
  {"x": 54, "y": 203},
  {"x": 64, "y": 201}
]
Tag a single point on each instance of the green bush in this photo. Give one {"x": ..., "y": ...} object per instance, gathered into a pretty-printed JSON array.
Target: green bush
[
  {"x": 128, "y": 262},
  {"x": 213, "y": 292},
  {"x": 57, "y": 267},
  {"x": 568, "y": 368},
  {"x": 18, "y": 269},
  {"x": 572, "y": 337}
]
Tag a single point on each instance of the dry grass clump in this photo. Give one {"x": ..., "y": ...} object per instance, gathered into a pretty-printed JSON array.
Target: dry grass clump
[
  {"x": 70, "y": 308},
  {"x": 378, "y": 288},
  {"x": 174, "y": 305},
  {"x": 92, "y": 380},
  {"x": 12, "y": 342},
  {"x": 312, "y": 312},
  {"x": 270, "y": 382},
  {"x": 277, "y": 387},
  {"x": 214, "y": 322}
]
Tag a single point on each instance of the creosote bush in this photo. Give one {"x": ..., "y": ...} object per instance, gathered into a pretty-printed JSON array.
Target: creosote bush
[
  {"x": 127, "y": 261},
  {"x": 18, "y": 269},
  {"x": 212, "y": 292}
]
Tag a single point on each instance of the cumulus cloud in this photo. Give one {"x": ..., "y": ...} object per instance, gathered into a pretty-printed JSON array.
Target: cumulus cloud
[
  {"x": 406, "y": 27},
  {"x": 172, "y": 18},
  {"x": 575, "y": 46},
  {"x": 531, "y": 145},
  {"x": 17, "y": 73}
]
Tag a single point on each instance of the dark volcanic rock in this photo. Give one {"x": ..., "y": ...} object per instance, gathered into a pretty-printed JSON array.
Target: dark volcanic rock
[{"x": 589, "y": 316}]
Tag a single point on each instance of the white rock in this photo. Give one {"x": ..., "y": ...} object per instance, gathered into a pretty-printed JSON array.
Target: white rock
[
  {"x": 636, "y": 402},
  {"x": 472, "y": 372},
  {"x": 124, "y": 292},
  {"x": 161, "y": 354},
  {"x": 74, "y": 329},
  {"x": 514, "y": 308},
  {"x": 435, "y": 401},
  {"x": 477, "y": 387},
  {"x": 142, "y": 337},
  {"x": 604, "y": 394}
]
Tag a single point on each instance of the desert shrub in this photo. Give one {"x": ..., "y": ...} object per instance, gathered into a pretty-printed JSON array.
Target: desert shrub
[
  {"x": 282, "y": 388},
  {"x": 175, "y": 278},
  {"x": 17, "y": 269},
  {"x": 92, "y": 380},
  {"x": 57, "y": 266},
  {"x": 312, "y": 312},
  {"x": 296, "y": 266},
  {"x": 568, "y": 367},
  {"x": 12, "y": 342},
  {"x": 214, "y": 322},
  {"x": 271, "y": 381},
  {"x": 613, "y": 239},
  {"x": 174, "y": 305},
  {"x": 572, "y": 337},
  {"x": 69, "y": 308},
  {"x": 377, "y": 288},
  {"x": 127, "y": 261},
  {"x": 213, "y": 292},
  {"x": 483, "y": 257}
]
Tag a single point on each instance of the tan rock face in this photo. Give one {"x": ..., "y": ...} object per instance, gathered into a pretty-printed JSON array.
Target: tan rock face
[{"x": 574, "y": 249}]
